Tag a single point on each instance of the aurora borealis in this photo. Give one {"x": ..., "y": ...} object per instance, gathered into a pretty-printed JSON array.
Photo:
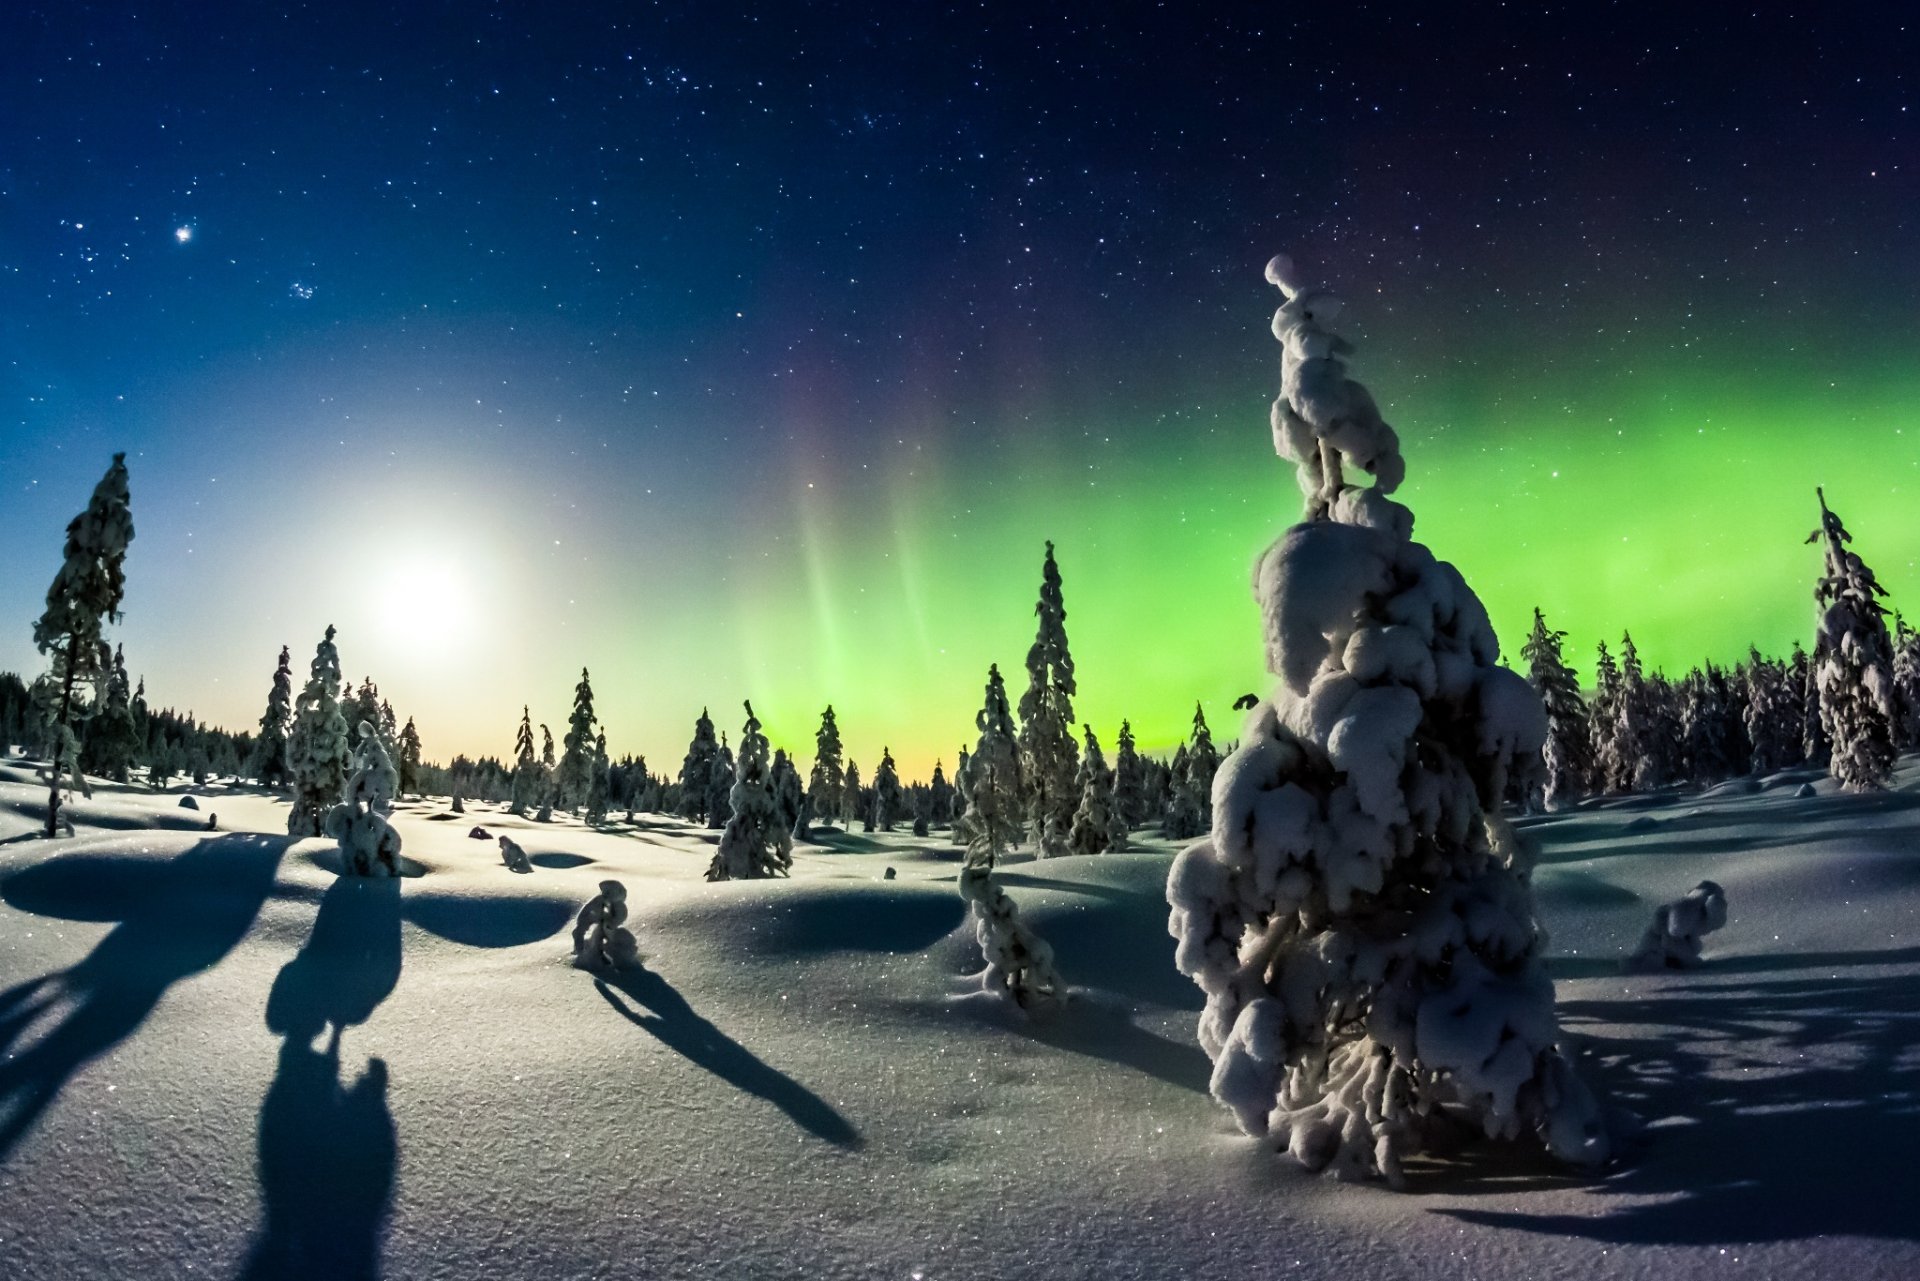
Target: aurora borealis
[{"x": 757, "y": 354}]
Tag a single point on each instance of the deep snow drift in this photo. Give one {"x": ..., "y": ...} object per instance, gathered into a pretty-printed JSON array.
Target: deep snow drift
[{"x": 220, "y": 1058}]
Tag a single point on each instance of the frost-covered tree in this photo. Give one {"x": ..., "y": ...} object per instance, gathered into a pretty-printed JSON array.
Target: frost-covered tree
[
  {"x": 410, "y": 759},
  {"x": 599, "y": 782},
  {"x": 1048, "y": 759},
  {"x": 575, "y": 774},
  {"x": 1815, "y": 748},
  {"x": 790, "y": 794},
  {"x": 1772, "y": 714},
  {"x": 939, "y": 796},
  {"x": 829, "y": 777},
  {"x": 720, "y": 786},
  {"x": 270, "y": 744},
  {"x": 1906, "y": 685},
  {"x": 1852, "y": 662},
  {"x": 696, "y": 770},
  {"x": 1633, "y": 752},
  {"x": 1019, "y": 963},
  {"x": 1672, "y": 939},
  {"x": 547, "y": 790},
  {"x": 1568, "y": 754},
  {"x": 994, "y": 790},
  {"x": 1190, "y": 800},
  {"x": 526, "y": 767},
  {"x": 112, "y": 742},
  {"x": 1713, "y": 741},
  {"x": 889, "y": 798},
  {"x": 1361, "y": 920},
  {"x": 318, "y": 752},
  {"x": 1130, "y": 801},
  {"x": 1097, "y": 826},
  {"x": 757, "y": 840},
  {"x": 962, "y": 793},
  {"x": 851, "y": 792},
  {"x": 82, "y": 599},
  {"x": 601, "y": 939},
  {"x": 369, "y": 845}
]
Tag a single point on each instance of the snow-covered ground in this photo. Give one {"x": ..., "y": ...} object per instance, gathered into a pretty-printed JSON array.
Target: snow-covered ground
[{"x": 219, "y": 1059}]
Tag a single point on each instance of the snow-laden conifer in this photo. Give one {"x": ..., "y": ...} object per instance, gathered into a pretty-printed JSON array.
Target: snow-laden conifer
[
  {"x": 1611, "y": 772},
  {"x": 1906, "y": 685},
  {"x": 829, "y": 775},
  {"x": 1772, "y": 714},
  {"x": 1095, "y": 821},
  {"x": 1672, "y": 939},
  {"x": 526, "y": 767},
  {"x": 889, "y": 798},
  {"x": 1190, "y": 803},
  {"x": 369, "y": 845},
  {"x": 962, "y": 792},
  {"x": 575, "y": 774},
  {"x": 994, "y": 789},
  {"x": 269, "y": 763},
  {"x": 112, "y": 742},
  {"x": 1852, "y": 661},
  {"x": 720, "y": 785},
  {"x": 1360, "y": 920},
  {"x": 1130, "y": 801},
  {"x": 1568, "y": 754},
  {"x": 1815, "y": 748},
  {"x": 696, "y": 770},
  {"x": 1048, "y": 759},
  {"x": 757, "y": 840},
  {"x": 939, "y": 796},
  {"x": 546, "y": 787},
  {"x": 410, "y": 759},
  {"x": 852, "y": 793},
  {"x": 318, "y": 751},
  {"x": 82, "y": 599},
  {"x": 599, "y": 779}
]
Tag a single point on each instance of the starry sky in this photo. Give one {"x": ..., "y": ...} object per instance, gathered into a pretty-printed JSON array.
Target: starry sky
[{"x": 756, "y": 351}]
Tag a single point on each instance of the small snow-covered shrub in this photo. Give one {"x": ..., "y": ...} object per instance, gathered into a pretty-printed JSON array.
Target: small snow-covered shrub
[
  {"x": 601, "y": 939},
  {"x": 1019, "y": 962},
  {"x": 369, "y": 845},
  {"x": 513, "y": 856},
  {"x": 1672, "y": 940}
]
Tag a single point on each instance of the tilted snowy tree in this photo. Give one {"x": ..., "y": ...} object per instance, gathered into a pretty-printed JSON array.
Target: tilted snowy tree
[
  {"x": 1095, "y": 821},
  {"x": 369, "y": 845},
  {"x": 83, "y": 598},
  {"x": 1852, "y": 661},
  {"x": 318, "y": 752},
  {"x": 696, "y": 770},
  {"x": 1048, "y": 759},
  {"x": 757, "y": 840},
  {"x": 1568, "y": 754},
  {"x": 720, "y": 786},
  {"x": 410, "y": 759},
  {"x": 1672, "y": 939},
  {"x": 599, "y": 775},
  {"x": 823, "y": 788},
  {"x": 889, "y": 798},
  {"x": 526, "y": 767},
  {"x": 1129, "y": 781},
  {"x": 1361, "y": 919},
  {"x": 270, "y": 744},
  {"x": 112, "y": 742},
  {"x": 575, "y": 774}
]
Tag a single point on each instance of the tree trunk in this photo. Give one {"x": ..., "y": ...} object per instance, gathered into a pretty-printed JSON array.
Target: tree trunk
[{"x": 60, "y": 738}]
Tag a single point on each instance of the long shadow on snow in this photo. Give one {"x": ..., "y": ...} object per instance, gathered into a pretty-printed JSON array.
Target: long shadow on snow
[
  {"x": 1118, "y": 943},
  {"x": 1089, "y": 1028},
  {"x": 675, "y": 1024},
  {"x": 177, "y": 919},
  {"x": 1694, "y": 833},
  {"x": 1583, "y": 967},
  {"x": 327, "y": 1149},
  {"x": 1758, "y": 1151}
]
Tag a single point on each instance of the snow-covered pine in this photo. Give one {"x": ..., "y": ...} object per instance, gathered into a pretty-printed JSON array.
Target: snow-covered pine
[
  {"x": 269, "y": 763},
  {"x": 962, "y": 793},
  {"x": 1612, "y": 773},
  {"x": 1906, "y": 685},
  {"x": 1568, "y": 754},
  {"x": 1361, "y": 920},
  {"x": 757, "y": 841},
  {"x": 1636, "y": 747},
  {"x": 993, "y": 778},
  {"x": 112, "y": 742},
  {"x": 889, "y": 798},
  {"x": 410, "y": 759},
  {"x": 850, "y": 795},
  {"x": 1129, "y": 781},
  {"x": 1815, "y": 748},
  {"x": 599, "y": 781},
  {"x": 1711, "y": 733},
  {"x": 720, "y": 785},
  {"x": 1772, "y": 714},
  {"x": 369, "y": 845},
  {"x": 939, "y": 796},
  {"x": 1095, "y": 819},
  {"x": 696, "y": 770},
  {"x": 829, "y": 776},
  {"x": 1172, "y": 824},
  {"x": 601, "y": 940},
  {"x": 791, "y": 796},
  {"x": 83, "y": 598},
  {"x": 1672, "y": 938},
  {"x": 1191, "y": 799},
  {"x": 1852, "y": 661},
  {"x": 1048, "y": 759},
  {"x": 575, "y": 774},
  {"x": 318, "y": 752},
  {"x": 526, "y": 767}
]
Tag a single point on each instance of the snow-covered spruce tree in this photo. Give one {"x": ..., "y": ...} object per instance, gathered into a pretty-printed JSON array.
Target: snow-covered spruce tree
[
  {"x": 269, "y": 764},
  {"x": 962, "y": 794},
  {"x": 1772, "y": 715},
  {"x": 889, "y": 798},
  {"x": 1708, "y": 722},
  {"x": 850, "y": 794},
  {"x": 1634, "y": 754},
  {"x": 526, "y": 767},
  {"x": 82, "y": 599},
  {"x": 1610, "y": 774},
  {"x": 1172, "y": 825},
  {"x": 1852, "y": 662},
  {"x": 696, "y": 770},
  {"x": 369, "y": 845},
  {"x": 318, "y": 753},
  {"x": 939, "y": 796},
  {"x": 1906, "y": 685},
  {"x": 1360, "y": 919},
  {"x": 757, "y": 840},
  {"x": 1048, "y": 759},
  {"x": 1129, "y": 781},
  {"x": 1194, "y": 766},
  {"x": 599, "y": 777},
  {"x": 1019, "y": 964},
  {"x": 1095, "y": 821},
  {"x": 112, "y": 743},
  {"x": 1815, "y": 749},
  {"x": 720, "y": 786},
  {"x": 545, "y": 813},
  {"x": 791, "y": 796},
  {"x": 575, "y": 774},
  {"x": 410, "y": 759},
  {"x": 1568, "y": 754},
  {"x": 823, "y": 788}
]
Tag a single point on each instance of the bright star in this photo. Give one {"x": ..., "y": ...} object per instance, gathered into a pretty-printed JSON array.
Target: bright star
[{"x": 183, "y": 234}]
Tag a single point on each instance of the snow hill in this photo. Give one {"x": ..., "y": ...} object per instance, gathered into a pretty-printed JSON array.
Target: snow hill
[{"x": 217, "y": 1058}]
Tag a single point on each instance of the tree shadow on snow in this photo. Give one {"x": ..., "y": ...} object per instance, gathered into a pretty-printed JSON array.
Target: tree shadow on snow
[
  {"x": 675, "y": 1024},
  {"x": 1084, "y": 1026},
  {"x": 328, "y": 1149},
  {"x": 176, "y": 919},
  {"x": 1778, "y": 1109}
]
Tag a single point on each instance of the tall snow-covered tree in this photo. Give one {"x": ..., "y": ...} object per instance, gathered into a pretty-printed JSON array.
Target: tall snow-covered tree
[
  {"x": 889, "y": 798},
  {"x": 851, "y": 793},
  {"x": 318, "y": 753},
  {"x": 409, "y": 763},
  {"x": 1097, "y": 826},
  {"x": 270, "y": 744},
  {"x": 720, "y": 785},
  {"x": 1130, "y": 800},
  {"x": 757, "y": 840},
  {"x": 790, "y": 794},
  {"x": 575, "y": 774},
  {"x": 696, "y": 770},
  {"x": 369, "y": 845},
  {"x": 112, "y": 742},
  {"x": 526, "y": 767},
  {"x": 1610, "y": 773},
  {"x": 994, "y": 789},
  {"x": 1568, "y": 754},
  {"x": 599, "y": 780},
  {"x": 1906, "y": 685},
  {"x": 962, "y": 793},
  {"x": 83, "y": 598},
  {"x": 1635, "y": 752},
  {"x": 1852, "y": 661},
  {"x": 1048, "y": 758},
  {"x": 1361, "y": 920},
  {"x": 1772, "y": 714},
  {"x": 829, "y": 775},
  {"x": 1815, "y": 749},
  {"x": 1195, "y": 764},
  {"x": 939, "y": 796}
]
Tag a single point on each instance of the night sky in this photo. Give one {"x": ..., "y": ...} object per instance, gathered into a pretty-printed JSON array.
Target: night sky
[{"x": 756, "y": 353}]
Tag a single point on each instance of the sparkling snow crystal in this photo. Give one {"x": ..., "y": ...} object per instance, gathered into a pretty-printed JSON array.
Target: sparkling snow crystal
[{"x": 1360, "y": 918}]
